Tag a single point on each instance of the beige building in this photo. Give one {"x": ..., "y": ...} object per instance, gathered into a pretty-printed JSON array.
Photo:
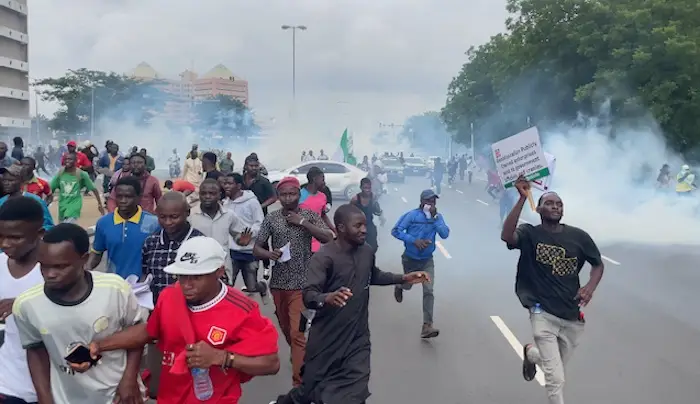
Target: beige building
[
  {"x": 191, "y": 88},
  {"x": 14, "y": 69}
]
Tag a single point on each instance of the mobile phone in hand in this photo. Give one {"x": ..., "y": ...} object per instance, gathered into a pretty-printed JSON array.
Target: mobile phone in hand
[{"x": 81, "y": 354}]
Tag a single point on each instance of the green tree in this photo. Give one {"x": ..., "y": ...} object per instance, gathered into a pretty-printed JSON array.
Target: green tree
[
  {"x": 85, "y": 94},
  {"x": 562, "y": 57},
  {"x": 225, "y": 116}
]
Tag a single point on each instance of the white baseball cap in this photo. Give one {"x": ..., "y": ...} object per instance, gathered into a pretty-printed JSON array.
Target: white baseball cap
[{"x": 197, "y": 256}]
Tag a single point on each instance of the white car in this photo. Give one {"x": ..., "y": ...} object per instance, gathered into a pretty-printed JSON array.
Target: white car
[{"x": 341, "y": 178}]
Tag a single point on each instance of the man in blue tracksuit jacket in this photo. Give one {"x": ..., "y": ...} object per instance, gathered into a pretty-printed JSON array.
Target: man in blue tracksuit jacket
[{"x": 417, "y": 229}]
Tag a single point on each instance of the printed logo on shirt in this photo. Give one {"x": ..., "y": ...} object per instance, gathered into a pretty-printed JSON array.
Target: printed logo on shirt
[
  {"x": 191, "y": 257},
  {"x": 168, "y": 359},
  {"x": 555, "y": 257},
  {"x": 100, "y": 324},
  {"x": 217, "y": 335}
]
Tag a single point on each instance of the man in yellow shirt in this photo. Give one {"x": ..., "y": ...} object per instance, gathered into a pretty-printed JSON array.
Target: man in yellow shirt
[{"x": 685, "y": 181}]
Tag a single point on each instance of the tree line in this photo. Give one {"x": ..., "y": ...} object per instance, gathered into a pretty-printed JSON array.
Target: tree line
[
  {"x": 87, "y": 96},
  {"x": 561, "y": 58}
]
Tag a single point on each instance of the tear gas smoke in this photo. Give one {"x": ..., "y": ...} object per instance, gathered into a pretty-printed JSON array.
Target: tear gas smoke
[{"x": 608, "y": 187}]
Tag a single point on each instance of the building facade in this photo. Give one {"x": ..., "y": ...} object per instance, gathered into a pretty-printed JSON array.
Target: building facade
[
  {"x": 190, "y": 88},
  {"x": 14, "y": 69}
]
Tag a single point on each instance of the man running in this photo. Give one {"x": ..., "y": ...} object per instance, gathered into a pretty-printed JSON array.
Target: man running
[
  {"x": 108, "y": 164},
  {"x": 548, "y": 286},
  {"x": 12, "y": 186},
  {"x": 215, "y": 221},
  {"x": 313, "y": 199},
  {"x": 246, "y": 207},
  {"x": 204, "y": 325},
  {"x": 80, "y": 160},
  {"x": 337, "y": 361},
  {"x": 21, "y": 229},
  {"x": 192, "y": 169},
  {"x": 417, "y": 229},
  {"x": 291, "y": 229},
  {"x": 32, "y": 183},
  {"x": 158, "y": 251},
  {"x": 366, "y": 202},
  {"x": 69, "y": 310},
  {"x": 69, "y": 182},
  {"x": 209, "y": 166},
  {"x": 121, "y": 233}
]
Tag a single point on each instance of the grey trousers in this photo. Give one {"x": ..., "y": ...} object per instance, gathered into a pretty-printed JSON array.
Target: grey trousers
[
  {"x": 412, "y": 265},
  {"x": 555, "y": 341}
]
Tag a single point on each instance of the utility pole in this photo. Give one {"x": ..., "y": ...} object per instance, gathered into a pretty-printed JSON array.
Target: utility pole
[
  {"x": 471, "y": 127},
  {"x": 294, "y": 29},
  {"x": 36, "y": 116},
  {"x": 92, "y": 113}
]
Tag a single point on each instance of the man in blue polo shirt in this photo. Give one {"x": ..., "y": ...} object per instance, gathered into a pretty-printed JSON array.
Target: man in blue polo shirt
[{"x": 121, "y": 233}]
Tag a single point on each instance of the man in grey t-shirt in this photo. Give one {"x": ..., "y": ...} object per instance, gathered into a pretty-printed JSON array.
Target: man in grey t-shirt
[{"x": 74, "y": 307}]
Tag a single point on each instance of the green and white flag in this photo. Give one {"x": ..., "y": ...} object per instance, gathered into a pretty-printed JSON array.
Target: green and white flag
[{"x": 345, "y": 151}]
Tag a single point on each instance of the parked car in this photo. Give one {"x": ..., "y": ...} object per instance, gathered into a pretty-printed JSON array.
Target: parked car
[
  {"x": 342, "y": 179},
  {"x": 394, "y": 169},
  {"x": 415, "y": 166}
]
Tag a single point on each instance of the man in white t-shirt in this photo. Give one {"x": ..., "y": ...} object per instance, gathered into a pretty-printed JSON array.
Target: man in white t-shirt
[{"x": 21, "y": 222}]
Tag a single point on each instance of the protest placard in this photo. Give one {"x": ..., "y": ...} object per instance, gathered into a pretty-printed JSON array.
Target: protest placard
[{"x": 520, "y": 154}]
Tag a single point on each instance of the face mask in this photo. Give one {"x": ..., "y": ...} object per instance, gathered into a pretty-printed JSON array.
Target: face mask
[{"x": 426, "y": 210}]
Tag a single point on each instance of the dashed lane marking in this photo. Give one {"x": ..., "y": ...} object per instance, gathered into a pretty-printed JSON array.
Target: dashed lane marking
[
  {"x": 517, "y": 346},
  {"x": 404, "y": 200},
  {"x": 396, "y": 189},
  {"x": 443, "y": 250},
  {"x": 610, "y": 260},
  {"x": 459, "y": 191},
  {"x": 482, "y": 202},
  {"x": 523, "y": 220}
]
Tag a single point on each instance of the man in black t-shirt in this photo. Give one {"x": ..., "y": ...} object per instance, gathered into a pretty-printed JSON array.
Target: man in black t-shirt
[
  {"x": 209, "y": 166},
  {"x": 547, "y": 284}
]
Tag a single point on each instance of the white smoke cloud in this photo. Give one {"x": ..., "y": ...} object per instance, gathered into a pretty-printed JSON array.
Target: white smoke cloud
[{"x": 608, "y": 185}]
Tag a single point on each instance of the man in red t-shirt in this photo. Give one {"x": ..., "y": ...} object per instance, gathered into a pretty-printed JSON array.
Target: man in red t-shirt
[
  {"x": 81, "y": 160},
  {"x": 200, "y": 323}
]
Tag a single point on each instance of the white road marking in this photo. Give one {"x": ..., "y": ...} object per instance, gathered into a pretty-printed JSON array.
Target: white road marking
[
  {"x": 443, "y": 250},
  {"x": 482, "y": 202},
  {"x": 523, "y": 220},
  {"x": 610, "y": 260},
  {"x": 396, "y": 189},
  {"x": 460, "y": 191},
  {"x": 404, "y": 200},
  {"x": 517, "y": 346}
]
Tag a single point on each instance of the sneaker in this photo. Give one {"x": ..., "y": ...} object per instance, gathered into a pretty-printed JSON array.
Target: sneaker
[
  {"x": 398, "y": 294},
  {"x": 429, "y": 331},
  {"x": 529, "y": 368}
]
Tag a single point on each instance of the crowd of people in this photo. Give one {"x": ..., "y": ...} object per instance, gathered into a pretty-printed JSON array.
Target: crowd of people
[{"x": 166, "y": 300}]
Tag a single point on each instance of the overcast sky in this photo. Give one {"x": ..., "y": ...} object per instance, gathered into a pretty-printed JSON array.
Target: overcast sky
[{"x": 359, "y": 60}]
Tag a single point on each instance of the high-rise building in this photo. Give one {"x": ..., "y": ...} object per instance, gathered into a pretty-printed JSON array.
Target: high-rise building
[
  {"x": 191, "y": 88},
  {"x": 14, "y": 68}
]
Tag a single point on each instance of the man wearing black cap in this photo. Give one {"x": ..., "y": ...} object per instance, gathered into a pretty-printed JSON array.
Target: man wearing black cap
[{"x": 417, "y": 229}]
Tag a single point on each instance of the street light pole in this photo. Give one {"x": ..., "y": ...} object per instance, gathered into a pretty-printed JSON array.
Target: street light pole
[
  {"x": 92, "y": 113},
  {"x": 294, "y": 29}
]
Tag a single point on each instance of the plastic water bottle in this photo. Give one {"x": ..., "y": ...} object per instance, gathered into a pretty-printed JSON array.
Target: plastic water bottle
[
  {"x": 203, "y": 388},
  {"x": 537, "y": 309},
  {"x": 266, "y": 274}
]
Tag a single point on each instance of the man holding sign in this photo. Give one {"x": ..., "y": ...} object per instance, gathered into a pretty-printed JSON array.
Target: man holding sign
[{"x": 547, "y": 284}]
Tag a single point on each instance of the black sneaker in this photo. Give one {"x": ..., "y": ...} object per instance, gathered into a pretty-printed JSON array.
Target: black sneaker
[
  {"x": 529, "y": 368},
  {"x": 398, "y": 294}
]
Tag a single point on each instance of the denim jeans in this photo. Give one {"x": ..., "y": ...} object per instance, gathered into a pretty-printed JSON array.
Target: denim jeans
[{"x": 412, "y": 265}]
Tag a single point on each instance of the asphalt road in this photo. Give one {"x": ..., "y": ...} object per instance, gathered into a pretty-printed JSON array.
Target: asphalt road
[{"x": 639, "y": 344}]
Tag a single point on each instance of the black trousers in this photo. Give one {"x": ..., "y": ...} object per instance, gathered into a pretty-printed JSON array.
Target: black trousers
[
  {"x": 12, "y": 400},
  {"x": 295, "y": 397}
]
